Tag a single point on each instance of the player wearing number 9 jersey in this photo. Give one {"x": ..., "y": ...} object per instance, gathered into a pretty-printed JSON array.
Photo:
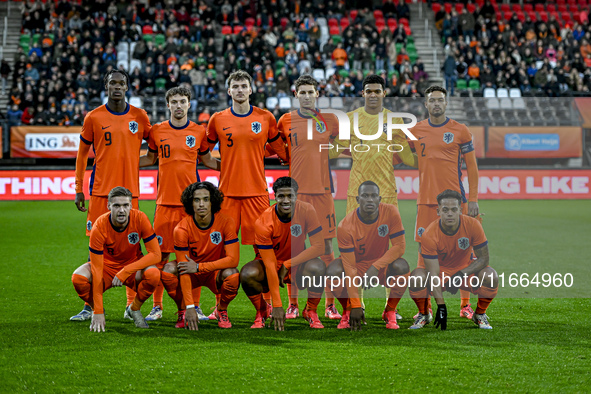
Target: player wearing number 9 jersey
[{"x": 242, "y": 132}]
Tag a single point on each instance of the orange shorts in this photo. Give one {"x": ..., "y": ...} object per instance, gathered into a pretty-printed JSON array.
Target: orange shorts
[
  {"x": 165, "y": 220},
  {"x": 324, "y": 206},
  {"x": 97, "y": 205},
  {"x": 206, "y": 279},
  {"x": 245, "y": 211},
  {"x": 352, "y": 202},
  {"x": 109, "y": 274}
]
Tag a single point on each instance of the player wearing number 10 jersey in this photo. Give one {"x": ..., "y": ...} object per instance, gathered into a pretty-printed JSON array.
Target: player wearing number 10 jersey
[{"x": 242, "y": 132}]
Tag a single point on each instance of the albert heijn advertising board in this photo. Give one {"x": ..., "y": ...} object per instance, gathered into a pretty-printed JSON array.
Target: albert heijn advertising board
[{"x": 493, "y": 184}]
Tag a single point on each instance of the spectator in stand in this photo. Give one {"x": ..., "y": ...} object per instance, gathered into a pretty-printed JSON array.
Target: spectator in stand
[
  {"x": 450, "y": 74},
  {"x": 402, "y": 10},
  {"x": 339, "y": 56},
  {"x": 466, "y": 21},
  {"x": 14, "y": 116}
]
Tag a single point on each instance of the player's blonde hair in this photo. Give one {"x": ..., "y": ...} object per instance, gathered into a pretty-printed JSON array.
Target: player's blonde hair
[
  {"x": 239, "y": 75},
  {"x": 119, "y": 191}
]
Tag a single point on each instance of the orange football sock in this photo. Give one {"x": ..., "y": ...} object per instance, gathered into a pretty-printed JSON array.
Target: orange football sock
[
  {"x": 148, "y": 284},
  {"x": 171, "y": 283},
  {"x": 344, "y": 303},
  {"x": 228, "y": 291},
  {"x": 485, "y": 297},
  {"x": 158, "y": 293},
  {"x": 83, "y": 287},
  {"x": 396, "y": 292},
  {"x": 130, "y": 295},
  {"x": 267, "y": 297},
  {"x": 197, "y": 295},
  {"x": 420, "y": 298},
  {"x": 329, "y": 299},
  {"x": 313, "y": 301},
  {"x": 256, "y": 301},
  {"x": 292, "y": 292},
  {"x": 465, "y": 295}
]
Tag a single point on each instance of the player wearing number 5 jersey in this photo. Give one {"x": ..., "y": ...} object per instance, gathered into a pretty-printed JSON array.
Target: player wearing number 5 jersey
[
  {"x": 115, "y": 131},
  {"x": 242, "y": 132}
]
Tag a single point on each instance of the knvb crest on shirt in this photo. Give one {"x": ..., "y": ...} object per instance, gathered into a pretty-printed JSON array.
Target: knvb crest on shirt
[
  {"x": 296, "y": 230},
  {"x": 215, "y": 237},
  {"x": 320, "y": 127},
  {"x": 383, "y": 230},
  {"x": 463, "y": 243},
  {"x": 420, "y": 231},
  {"x": 133, "y": 238},
  {"x": 133, "y": 127},
  {"x": 256, "y": 127},
  {"x": 159, "y": 240},
  {"x": 448, "y": 137},
  {"x": 190, "y": 141}
]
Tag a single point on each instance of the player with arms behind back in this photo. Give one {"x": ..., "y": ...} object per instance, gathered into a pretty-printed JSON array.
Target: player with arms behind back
[
  {"x": 447, "y": 246},
  {"x": 308, "y": 166},
  {"x": 115, "y": 131},
  {"x": 281, "y": 233},
  {"x": 116, "y": 259},
  {"x": 442, "y": 144},
  {"x": 178, "y": 144}
]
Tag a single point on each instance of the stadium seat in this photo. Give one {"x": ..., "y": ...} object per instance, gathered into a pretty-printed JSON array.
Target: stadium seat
[
  {"x": 318, "y": 74},
  {"x": 506, "y": 103},
  {"x": 133, "y": 64},
  {"x": 543, "y": 16},
  {"x": 123, "y": 55},
  {"x": 539, "y": 7},
  {"x": 136, "y": 102},
  {"x": 459, "y": 7},
  {"x": 329, "y": 73},
  {"x": 160, "y": 85},
  {"x": 505, "y": 7},
  {"x": 448, "y": 8},
  {"x": 323, "y": 102},
  {"x": 514, "y": 92},
  {"x": 337, "y": 103},
  {"x": 123, "y": 64},
  {"x": 378, "y": 14},
  {"x": 333, "y": 22},
  {"x": 160, "y": 39},
  {"x": 334, "y": 30},
  {"x": 474, "y": 84},
  {"x": 436, "y": 7},
  {"x": 461, "y": 84},
  {"x": 226, "y": 30},
  {"x": 528, "y": 7},
  {"x": 148, "y": 38},
  {"x": 132, "y": 47},
  {"x": 25, "y": 42},
  {"x": 392, "y": 24},
  {"x": 147, "y": 29},
  {"x": 122, "y": 47},
  {"x": 489, "y": 92},
  {"x": 249, "y": 22},
  {"x": 238, "y": 29},
  {"x": 549, "y": 7},
  {"x": 301, "y": 45},
  {"x": 492, "y": 103},
  {"x": 271, "y": 103},
  {"x": 343, "y": 73},
  {"x": 502, "y": 92},
  {"x": 285, "y": 103},
  {"x": 471, "y": 8},
  {"x": 321, "y": 22},
  {"x": 516, "y": 8},
  {"x": 295, "y": 103},
  {"x": 345, "y": 23},
  {"x": 404, "y": 21},
  {"x": 519, "y": 103}
]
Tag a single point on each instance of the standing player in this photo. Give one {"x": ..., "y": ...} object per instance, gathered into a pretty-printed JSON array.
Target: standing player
[
  {"x": 308, "y": 166},
  {"x": 116, "y": 259},
  {"x": 177, "y": 144},
  {"x": 115, "y": 130},
  {"x": 371, "y": 242},
  {"x": 376, "y": 164},
  {"x": 207, "y": 241},
  {"x": 442, "y": 144},
  {"x": 280, "y": 237},
  {"x": 447, "y": 246}
]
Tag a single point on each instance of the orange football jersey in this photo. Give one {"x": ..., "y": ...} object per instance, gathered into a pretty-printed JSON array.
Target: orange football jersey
[
  {"x": 286, "y": 238},
  {"x": 309, "y": 157},
  {"x": 205, "y": 245},
  {"x": 242, "y": 141},
  {"x": 116, "y": 138},
  {"x": 439, "y": 150},
  {"x": 453, "y": 251},
  {"x": 178, "y": 149},
  {"x": 370, "y": 241}
]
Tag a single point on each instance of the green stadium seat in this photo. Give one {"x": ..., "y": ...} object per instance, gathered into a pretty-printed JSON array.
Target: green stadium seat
[
  {"x": 52, "y": 36},
  {"x": 413, "y": 57},
  {"x": 36, "y": 39},
  {"x": 461, "y": 84},
  {"x": 391, "y": 73},
  {"x": 148, "y": 38},
  {"x": 25, "y": 42},
  {"x": 411, "y": 47},
  {"x": 279, "y": 64},
  {"x": 211, "y": 73},
  {"x": 474, "y": 84},
  {"x": 337, "y": 39},
  {"x": 344, "y": 73},
  {"x": 161, "y": 84},
  {"x": 398, "y": 47},
  {"x": 159, "y": 39},
  {"x": 410, "y": 40}
]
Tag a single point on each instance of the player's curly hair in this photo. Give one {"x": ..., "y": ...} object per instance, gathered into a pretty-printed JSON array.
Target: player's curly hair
[
  {"x": 449, "y": 194},
  {"x": 368, "y": 183},
  {"x": 239, "y": 75},
  {"x": 285, "y": 181},
  {"x": 305, "y": 79},
  {"x": 180, "y": 90},
  {"x": 215, "y": 196},
  {"x": 374, "y": 78},
  {"x": 119, "y": 191},
  {"x": 435, "y": 88},
  {"x": 113, "y": 71}
]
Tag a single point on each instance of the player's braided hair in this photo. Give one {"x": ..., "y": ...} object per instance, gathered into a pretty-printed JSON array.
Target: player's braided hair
[
  {"x": 180, "y": 90},
  {"x": 306, "y": 79},
  {"x": 368, "y": 183},
  {"x": 285, "y": 181},
  {"x": 113, "y": 71},
  {"x": 119, "y": 191},
  {"x": 374, "y": 78},
  {"x": 216, "y": 197},
  {"x": 435, "y": 88},
  {"x": 449, "y": 194}
]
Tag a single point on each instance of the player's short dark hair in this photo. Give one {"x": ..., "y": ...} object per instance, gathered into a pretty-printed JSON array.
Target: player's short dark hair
[
  {"x": 180, "y": 90},
  {"x": 285, "y": 181},
  {"x": 374, "y": 78},
  {"x": 305, "y": 79},
  {"x": 435, "y": 88},
  {"x": 449, "y": 194},
  {"x": 239, "y": 75},
  {"x": 216, "y": 197},
  {"x": 119, "y": 191},
  {"x": 368, "y": 183},
  {"x": 113, "y": 71}
]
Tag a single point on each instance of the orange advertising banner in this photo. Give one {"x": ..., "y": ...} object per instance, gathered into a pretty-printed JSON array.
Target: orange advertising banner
[
  {"x": 479, "y": 140},
  {"x": 534, "y": 142},
  {"x": 54, "y": 142},
  {"x": 584, "y": 106}
]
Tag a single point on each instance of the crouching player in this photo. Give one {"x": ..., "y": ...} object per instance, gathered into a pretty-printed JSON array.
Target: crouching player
[
  {"x": 116, "y": 259},
  {"x": 207, "y": 239},
  {"x": 280, "y": 235},
  {"x": 446, "y": 246},
  {"x": 371, "y": 242}
]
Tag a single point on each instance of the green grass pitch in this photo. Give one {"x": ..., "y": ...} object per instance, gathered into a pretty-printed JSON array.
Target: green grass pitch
[{"x": 537, "y": 344}]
